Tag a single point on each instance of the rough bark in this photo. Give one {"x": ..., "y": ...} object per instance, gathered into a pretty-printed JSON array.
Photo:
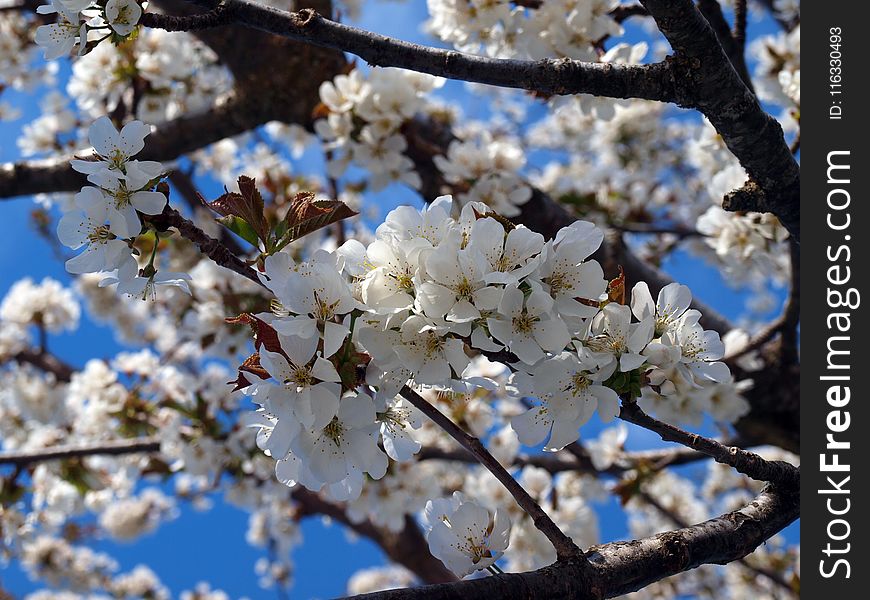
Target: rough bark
[
  {"x": 624, "y": 567},
  {"x": 552, "y": 76},
  {"x": 715, "y": 88}
]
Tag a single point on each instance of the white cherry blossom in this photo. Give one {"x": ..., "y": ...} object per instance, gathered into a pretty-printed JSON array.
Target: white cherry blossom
[
  {"x": 104, "y": 249},
  {"x": 123, "y": 15},
  {"x": 570, "y": 391},
  {"x": 527, "y": 326},
  {"x": 467, "y": 537}
]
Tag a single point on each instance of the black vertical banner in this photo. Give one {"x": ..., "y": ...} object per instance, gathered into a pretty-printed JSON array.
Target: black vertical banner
[{"x": 835, "y": 266}]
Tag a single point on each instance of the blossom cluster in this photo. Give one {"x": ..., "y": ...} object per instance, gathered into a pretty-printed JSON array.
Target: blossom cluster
[
  {"x": 489, "y": 167},
  {"x": 409, "y": 306},
  {"x": 104, "y": 218},
  {"x": 86, "y": 23},
  {"x": 364, "y": 118},
  {"x": 172, "y": 72},
  {"x": 554, "y": 28}
]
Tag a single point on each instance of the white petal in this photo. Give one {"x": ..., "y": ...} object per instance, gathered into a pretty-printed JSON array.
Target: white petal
[
  {"x": 103, "y": 136},
  {"x": 532, "y": 426},
  {"x": 333, "y": 337},
  {"x": 149, "y": 203}
]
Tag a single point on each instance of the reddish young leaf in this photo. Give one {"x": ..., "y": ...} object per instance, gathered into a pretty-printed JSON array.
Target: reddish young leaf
[
  {"x": 307, "y": 215},
  {"x": 247, "y": 205},
  {"x": 252, "y": 365},
  {"x": 616, "y": 288},
  {"x": 241, "y": 382},
  {"x": 265, "y": 334}
]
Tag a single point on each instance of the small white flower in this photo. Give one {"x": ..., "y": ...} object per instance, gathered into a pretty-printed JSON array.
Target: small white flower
[
  {"x": 565, "y": 273},
  {"x": 308, "y": 390},
  {"x": 123, "y": 15},
  {"x": 570, "y": 392},
  {"x": 146, "y": 287},
  {"x": 428, "y": 353},
  {"x": 673, "y": 300},
  {"x": 122, "y": 198},
  {"x": 104, "y": 249},
  {"x": 317, "y": 295},
  {"x": 615, "y": 339},
  {"x": 607, "y": 448},
  {"x": 58, "y": 39},
  {"x": 398, "y": 420},
  {"x": 456, "y": 290},
  {"x": 700, "y": 349},
  {"x": 527, "y": 326},
  {"x": 115, "y": 150},
  {"x": 466, "y": 537},
  {"x": 510, "y": 256},
  {"x": 344, "y": 448}
]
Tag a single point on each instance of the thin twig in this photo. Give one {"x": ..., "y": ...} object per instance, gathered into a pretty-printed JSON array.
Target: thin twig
[
  {"x": 565, "y": 547},
  {"x": 183, "y": 182},
  {"x": 209, "y": 246},
  {"x": 560, "y": 463},
  {"x": 680, "y": 231},
  {"x": 787, "y": 322},
  {"x": 759, "y": 340},
  {"x": 748, "y": 463}
]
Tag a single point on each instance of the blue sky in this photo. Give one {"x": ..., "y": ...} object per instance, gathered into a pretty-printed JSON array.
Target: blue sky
[{"x": 210, "y": 545}]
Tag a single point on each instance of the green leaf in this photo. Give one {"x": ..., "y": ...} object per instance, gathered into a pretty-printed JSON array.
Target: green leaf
[{"x": 241, "y": 228}]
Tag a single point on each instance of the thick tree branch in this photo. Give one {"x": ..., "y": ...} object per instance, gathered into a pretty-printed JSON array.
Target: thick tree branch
[
  {"x": 733, "y": 47},
  {"x": 24, "y": 458},
  {"x": 748, "y": 463},
  {"x": 753, "y": 136},
  {"x": 677, "y": 520},
  {"x": 565, "y": 547},
  {"x": 562, "y": 76},
  {"x": 407, "y": 548},
  {"x": 624, "y": 567},
  {"x": 220, "y": 15}
]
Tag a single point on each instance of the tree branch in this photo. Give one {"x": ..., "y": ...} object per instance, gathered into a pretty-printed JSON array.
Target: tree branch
[
  {"x": 562, "y": 76},
  {"x": 739, "y": 33},
  {"x": 624, "y": 567},
  {"x": 677, "y": 520},
  {"x": 22, "y": 458},
  {"x": 565, "y": 547},
  {"x": 222, "y": 14},
  {"x": 209, "y": 246},
  {"x": 733, "y": 47},
  {"x": 228, "y": 117},
  {"x": 753, "y": 136},
  {"x": 748, "y": 463},
  {"x": 47, "y": 362},
  {"x": 581, "y": 463}
]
